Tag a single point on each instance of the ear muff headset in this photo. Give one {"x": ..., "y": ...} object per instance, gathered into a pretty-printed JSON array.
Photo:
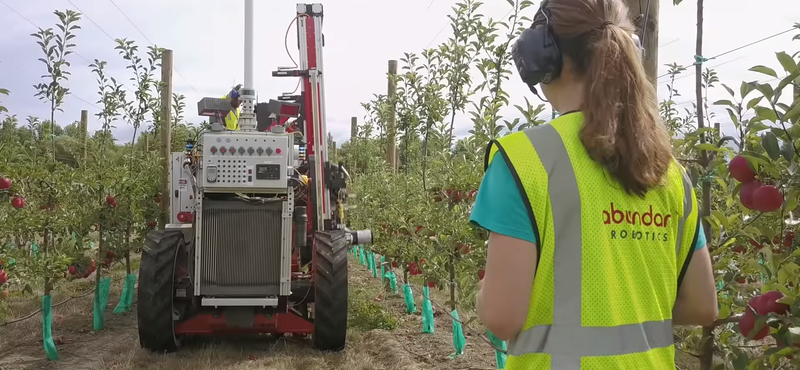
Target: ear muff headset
[{"x": 536, "y": 54}]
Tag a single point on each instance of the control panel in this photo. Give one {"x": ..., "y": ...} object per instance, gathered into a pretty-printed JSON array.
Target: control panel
[
  {"x": 181, "y": 190},
  {"x": 235, "y": 161}
]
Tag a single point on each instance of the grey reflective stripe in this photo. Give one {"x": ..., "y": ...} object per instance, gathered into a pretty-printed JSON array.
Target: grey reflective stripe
[{"x": 566, "y": 341}]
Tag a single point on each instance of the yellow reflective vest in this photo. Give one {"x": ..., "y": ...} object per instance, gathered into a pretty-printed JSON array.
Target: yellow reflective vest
[
  {"x": 610, "y": 264},
  {"x": 232, "y": 119}
]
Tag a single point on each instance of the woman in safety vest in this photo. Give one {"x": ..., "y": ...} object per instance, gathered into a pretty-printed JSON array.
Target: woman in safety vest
[
  {"x": 232, "y": 118},
  {"x": 596, "y": 249}
]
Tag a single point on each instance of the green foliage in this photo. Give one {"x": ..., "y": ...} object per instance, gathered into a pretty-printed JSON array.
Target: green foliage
[{"x": 365, "y": 315}]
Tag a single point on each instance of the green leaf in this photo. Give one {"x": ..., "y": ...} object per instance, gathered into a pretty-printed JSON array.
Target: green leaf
[
  {"x": 707, "y": 146},
  {"x": 721, "y": 219},
  {"x": 766, "y": 114},
  {"x": 770, "y": 144},
  {"x": 793, "y": 113},
  {"x": 745, "y": 89},
  {"x": 724, "y": 102},
  {"x": 787, "y": 62},
  {"x": 753, "y": 102},
  {"x": 787, "y": 151},
  {"x": 765, "y": 70}
]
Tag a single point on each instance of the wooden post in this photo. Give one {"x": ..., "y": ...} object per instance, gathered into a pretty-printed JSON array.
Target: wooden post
[
  {"x": 648, "y": 33},
  {"x": 353, "y": 127},
  {"x": 166, "y": 135},
  {"x": 85, "y": 132},
  {"x": 391, "y": 126},
  {"x": 334, "y": 157}
]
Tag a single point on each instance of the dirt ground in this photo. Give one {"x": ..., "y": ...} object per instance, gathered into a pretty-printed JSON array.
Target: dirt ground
[{"x": 117, "y": 346}]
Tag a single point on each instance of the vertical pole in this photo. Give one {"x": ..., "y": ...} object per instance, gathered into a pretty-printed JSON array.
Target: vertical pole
[
  {"x": 166, "y": 134},
  {"x": 647, "y": 11},
  {"x": 391, "y": 129},
  {"x": 707, "y": 336},
  {"x": 334, "y": 157},
  {"x": 248, "y": 43},
  {"x": 353, "y": 128},
  {"x": 85, "y": 132}
]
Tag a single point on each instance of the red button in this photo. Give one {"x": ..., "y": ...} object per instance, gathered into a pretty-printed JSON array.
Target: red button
[{"x": 278, "y": 151}]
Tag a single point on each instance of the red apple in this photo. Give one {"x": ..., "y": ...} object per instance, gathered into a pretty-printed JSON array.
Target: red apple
[
  {"x": 5, "y": 183},
  {"x": 741, "y": 280},
  {"x": 756, "y": 244},
  {"x": 4, "y": 294},
  {"x": 767, "y": 199},
  {"x": 788, "y": 239},
  {"x": 770, "y": 303},
  {"x": 72, "y": 270},
  {"x": 107, "y": 262},
  {"x": 111, "y": 201},
  {"x": 17, "y": 202},
  {"x": 746, "y": 193},
  {"x": 463, "y": 249},
  {"x": 152, "y": 224},
  {"x": 762, "y": 304},
  {"x": 431, "y": 284},
  {"x": 110, "y": 254},
  {"x": 748, "y": 323},
  {"x": 3, "y": 277},
  {"x": 473, "y": 194},
  {"x": 395, "y": 264},
  {"x": 481, "y": 274},
  {"x": 738, "y": 249},
  {"x": 740, "y": 169}
]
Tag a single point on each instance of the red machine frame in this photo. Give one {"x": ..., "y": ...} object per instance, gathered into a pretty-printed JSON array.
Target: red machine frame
[{"x": 310, "y": 43}]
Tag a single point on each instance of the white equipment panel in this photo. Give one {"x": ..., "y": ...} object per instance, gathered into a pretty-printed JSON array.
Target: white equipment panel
[
  {"x": 256, "y": 161},
  {"x": 181, "y": 194}
]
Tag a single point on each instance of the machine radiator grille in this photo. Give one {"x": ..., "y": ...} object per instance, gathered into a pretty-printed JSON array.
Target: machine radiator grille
[{"x": 240, "y": 248}]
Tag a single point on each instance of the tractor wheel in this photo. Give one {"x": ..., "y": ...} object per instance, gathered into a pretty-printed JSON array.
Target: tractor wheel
[
  {"x": 330, "y": 291},
  {"x": 156, "y": 279}
]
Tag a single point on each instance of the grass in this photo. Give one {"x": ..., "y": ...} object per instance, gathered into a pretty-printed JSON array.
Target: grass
[{"x": 379, "y": 338}]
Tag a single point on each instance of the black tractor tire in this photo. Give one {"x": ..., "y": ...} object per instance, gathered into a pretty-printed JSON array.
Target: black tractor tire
[
  {"x": 156, "y": 280},
  {"x": 330, "y": 290}
]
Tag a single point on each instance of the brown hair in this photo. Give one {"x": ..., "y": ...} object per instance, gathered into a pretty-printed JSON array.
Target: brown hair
[{"x": 623, "y": 130}]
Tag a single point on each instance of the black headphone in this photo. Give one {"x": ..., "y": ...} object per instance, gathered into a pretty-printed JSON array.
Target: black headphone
[{"x": 536, "y": 54}]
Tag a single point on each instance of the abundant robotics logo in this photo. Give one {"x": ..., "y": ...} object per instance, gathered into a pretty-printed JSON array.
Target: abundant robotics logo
[{"x": 632, "y": 219}]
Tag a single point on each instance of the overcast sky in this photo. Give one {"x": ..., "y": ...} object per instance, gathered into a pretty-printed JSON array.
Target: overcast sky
[{"x": 361, "y": 35}]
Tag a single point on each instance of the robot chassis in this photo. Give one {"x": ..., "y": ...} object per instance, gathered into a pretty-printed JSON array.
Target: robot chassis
[{"x": 257, "y": 241}]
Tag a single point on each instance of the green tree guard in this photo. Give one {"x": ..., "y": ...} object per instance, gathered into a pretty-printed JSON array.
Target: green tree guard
[
  {"x": 499, "y": 356},
  {"x": 100, "y": 303},
  {"x": 383, "y": 269},
  {"x": 427, "y": 312},
  {"x": 392, "y": 281},
  {"x": 361, "y": 255},
  {"x": 374, "y": 266},
  {"x": 47, "y": 328},
  {"x": 126, "y": 299},
  {"x": 35, "y": 248},
  {"x": 459, "y": 342},
  {"x": 408, "y": 297}
]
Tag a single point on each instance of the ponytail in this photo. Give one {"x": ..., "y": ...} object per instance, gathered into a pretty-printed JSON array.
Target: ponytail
[{"x": 622, "y": 130}]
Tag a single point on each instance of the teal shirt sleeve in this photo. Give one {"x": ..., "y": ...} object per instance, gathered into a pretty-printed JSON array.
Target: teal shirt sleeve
[
  {"x": 701, "y": 237},
  {"x": 499, "y": 207}
]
